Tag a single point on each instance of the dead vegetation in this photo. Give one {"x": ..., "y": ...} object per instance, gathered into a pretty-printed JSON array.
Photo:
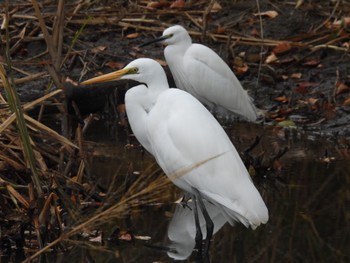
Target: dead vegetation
[{"x": 299, "y": 75}]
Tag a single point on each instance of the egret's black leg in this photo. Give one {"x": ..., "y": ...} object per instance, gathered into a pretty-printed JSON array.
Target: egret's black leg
[
  {"x": 199, "y": 235},
  {"x": 208, "y": 221}
]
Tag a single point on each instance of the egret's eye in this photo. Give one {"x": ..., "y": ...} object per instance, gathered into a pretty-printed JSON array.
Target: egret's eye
[{"x": 133, "y": 71}]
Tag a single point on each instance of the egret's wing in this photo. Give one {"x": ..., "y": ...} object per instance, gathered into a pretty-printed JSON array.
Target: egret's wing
[
  {"x": 212, "y": 79},
  {"x": 183, "y": 134}
]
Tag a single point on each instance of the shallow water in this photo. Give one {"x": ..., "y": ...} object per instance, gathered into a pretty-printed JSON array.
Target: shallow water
[{"x": 308, "y": 205}]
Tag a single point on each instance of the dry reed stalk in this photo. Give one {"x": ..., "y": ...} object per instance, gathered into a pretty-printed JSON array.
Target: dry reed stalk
[
  {"x": 26, "y": 107},
  {"x": 131, "y": 199},
  {"x": 16, "y": 108},
  {"x": 28, "y": 78}
]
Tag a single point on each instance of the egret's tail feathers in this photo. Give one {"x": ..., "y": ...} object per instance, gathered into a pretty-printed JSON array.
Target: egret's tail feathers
[
  {"x": 247, "y": 220},
  {"x": 251, "y": 213}
]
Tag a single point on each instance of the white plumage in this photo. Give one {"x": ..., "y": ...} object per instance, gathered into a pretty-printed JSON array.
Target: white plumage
[
  {"x": 200, "y": 71},
  {"x": 180, "y": 133}
]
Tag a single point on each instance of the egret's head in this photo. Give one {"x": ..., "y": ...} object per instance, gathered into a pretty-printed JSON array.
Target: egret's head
[
  {"x": 172, "y": 36},
  {"x": 143, "y": 70},
  {"x": 176, "y": 35}
]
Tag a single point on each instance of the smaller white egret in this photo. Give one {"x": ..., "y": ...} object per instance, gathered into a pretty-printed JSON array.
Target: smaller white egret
[
  {"x": 183, "y": 136},
  {"x": 200, "y": 71}
]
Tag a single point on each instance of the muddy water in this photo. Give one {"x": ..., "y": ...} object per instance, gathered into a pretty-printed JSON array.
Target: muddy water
[{"x": 308, "y": 203}]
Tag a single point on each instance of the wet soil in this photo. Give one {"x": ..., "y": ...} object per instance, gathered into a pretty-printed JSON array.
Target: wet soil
[
  {"x": 304, "y": 94},
  {"x": 308, "y": 83}
]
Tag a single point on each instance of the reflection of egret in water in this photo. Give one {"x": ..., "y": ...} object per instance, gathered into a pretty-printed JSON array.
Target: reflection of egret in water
[{"x": 182, "y": 228}]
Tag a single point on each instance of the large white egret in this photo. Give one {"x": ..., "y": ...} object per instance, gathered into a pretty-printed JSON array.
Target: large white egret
[
  {"x": 200, "y": 71},
  {"x": 189, "y": 145}
]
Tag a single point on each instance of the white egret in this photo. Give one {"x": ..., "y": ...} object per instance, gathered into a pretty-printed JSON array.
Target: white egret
[
  {"x": 200, "y": 71},
  {"x": 183, "y": 136}
]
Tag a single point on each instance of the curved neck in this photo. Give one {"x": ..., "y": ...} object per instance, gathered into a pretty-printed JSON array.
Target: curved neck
[{"x": 137, "y": 113}]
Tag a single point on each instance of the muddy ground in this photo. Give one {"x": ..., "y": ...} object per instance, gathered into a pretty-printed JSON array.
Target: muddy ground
[
  {"x": 294, "y": 62},
  {"x": 299, "y": 72}
]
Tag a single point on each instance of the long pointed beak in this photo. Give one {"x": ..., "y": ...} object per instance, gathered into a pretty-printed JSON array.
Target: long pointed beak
[
  {"x": 154, "y": 41},
  {"x": 106, "y": 78}
]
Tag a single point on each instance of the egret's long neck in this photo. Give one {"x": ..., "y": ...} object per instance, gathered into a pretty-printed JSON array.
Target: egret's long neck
[
  {"x": 174, "y": 55},
  {"x": 156, "y": 83},
  {"x": 137, "y": 113}
]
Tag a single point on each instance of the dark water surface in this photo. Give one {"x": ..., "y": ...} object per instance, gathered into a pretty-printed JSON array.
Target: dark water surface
[{"x": 308, "y": 205}]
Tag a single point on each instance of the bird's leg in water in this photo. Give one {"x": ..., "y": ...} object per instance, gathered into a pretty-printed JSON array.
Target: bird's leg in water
[
  {"x": 199, "y": 235},
  {"x": 208, "y": 221},
  {"x": 184, "y": 201}
]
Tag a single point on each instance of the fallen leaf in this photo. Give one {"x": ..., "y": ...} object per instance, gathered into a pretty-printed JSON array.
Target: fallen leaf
[
  {"x": 303, "y": 87},
  {"x": 242, "y": 69},
  {"x": 270, "y": 14},
  {"x": 157, "y": 4},
  {"x": 341, "y": 88},
  {"x": 312, "y": 62},
  {"x": 153, "y": 5},
  {"x": 220, "y": 30},
  {"x": 216, "y": 7},
  {"x": 271, "y": 58},
  {"x": 115, "y": 65},
  {"x": 239, "y": 66},
  {"x": 285, "y": 60},
  {"x": 347, "y": 102},
  {"x": 279, "y": 119},
  {"x": 252, "y": 57},
  {"x": 284, "y": 111},
  {"x": 178, "y": 4},
  {"x": 238, "y": 62},
  {"x": 312, "y": 101},
  {"x": 282, "y": 48},
  {"x": 132, "y": 35},
  {"x": 282, "y": 99},
  {"x": 296, "y": 75},
  {"x": 98, "y": 49}
]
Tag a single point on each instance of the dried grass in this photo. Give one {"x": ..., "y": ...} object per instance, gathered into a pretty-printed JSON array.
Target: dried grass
[{"x": 54, "y": 156}]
